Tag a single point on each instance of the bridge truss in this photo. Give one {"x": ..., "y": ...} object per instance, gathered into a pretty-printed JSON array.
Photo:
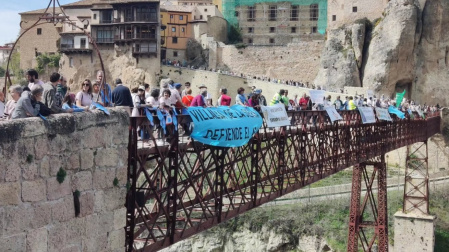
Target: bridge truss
[{"x": 185, "y": 187}]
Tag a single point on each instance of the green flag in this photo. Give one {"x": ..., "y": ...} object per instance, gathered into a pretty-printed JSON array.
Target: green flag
[{"x": 399, "y": 97}]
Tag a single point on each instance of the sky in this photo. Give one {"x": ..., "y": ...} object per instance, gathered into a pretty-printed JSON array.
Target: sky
[{"x": 10, "y": 18}]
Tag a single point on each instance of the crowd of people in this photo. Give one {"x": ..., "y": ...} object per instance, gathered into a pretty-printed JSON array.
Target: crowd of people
[{"x": 42, "y": 99}]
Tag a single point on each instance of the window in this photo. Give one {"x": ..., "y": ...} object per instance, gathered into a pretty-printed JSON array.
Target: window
[
  {"x": 173, "y": 29},
  {"x": 354, "y": 9},
  {"x": 95, "y": 16},
  {"x": 293, "y": 30},
  {"x": 162, "y": 16},
  {"x": 205, "y": 10},
  {"x": 251, "y": 13},
  {"x": 334, "y": 17},
  {"x": 70, "y": 62},
  {"x": 83, "y": 43},
  {"x": 104, "y": 35},
  {"x": 201, "y": 16},
  {"x": 171, "y": 16},
  {"x": 250, "y": 41},
  {"x": 313, "y": 12},
  {"x": 175, "y": 54},
  {"x": 236, "y": 13},
  {"x": 129, "y": 15},
  {"x": 39, "y": 31},
  {"x": 208, "y": 16},
  {"x": 272, "y": 29},
  {"x": 250, "y": 29},
  {"x": 182, "y": 29},
  {"x": 271, "y": 40},
  {"x": 181, "y": 17},
  {"x": 314, "y": 29},
  {"x": 73, "y": 27},
  {"x": 106, "y": 17},
  {"x": 294, "y": 13},
  {"x": 174, "y": 40},
  {"x": 272, "y": 13}
]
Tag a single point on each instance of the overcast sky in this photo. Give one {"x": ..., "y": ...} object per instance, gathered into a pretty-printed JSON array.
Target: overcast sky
[{"x": 10, "y": 18}]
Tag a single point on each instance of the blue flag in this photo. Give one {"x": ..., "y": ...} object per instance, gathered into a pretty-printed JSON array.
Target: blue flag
[
  {"x": 393, "y": 110},
  {"x": 149, "y": 116},
  {"x": 99, "y": 107}
]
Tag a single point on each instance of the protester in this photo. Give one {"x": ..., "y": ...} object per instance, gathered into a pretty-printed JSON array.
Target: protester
[
  {"x": 303, "y": 102},
  {"x": 33, "y": 78},
  {"x": 187, "y": 88},
  {"x": 96, "y": 93},
  {"x": 254, "y": 101},
  {"x": 240, "y": 98},
  {"x": 153, "y": 99},
  {"x": 121, "y": 96},
  {"x": 61, "y": 88},
  {"x": 84, "y": 97},
  {"x": 187, "y": 98},
  {"x": 278, "y": 98},
  {"x": 200, "y": 100},
  {"x": 2, "y": 104},
  {"x": 147, "y": 89},
  {"x": 68, "y": 103},
  {"x": 139, "y": 100},
  {"x": 27, "y": 105},
  {"x": 351, "y": 104},
  {"x": 15, "y": 92},
  {"x": 224, "y": 99},
  {"x": 262, "y": 99},
  {"x": 106, "y": 100},
  {"x": 175, "y": 97},
  {"x": 338, "y": 104},
  {"x": 51, "y": 98}
]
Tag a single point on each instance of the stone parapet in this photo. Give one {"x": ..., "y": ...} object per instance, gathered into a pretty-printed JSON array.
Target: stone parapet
[{"x": 37, "y": 213}]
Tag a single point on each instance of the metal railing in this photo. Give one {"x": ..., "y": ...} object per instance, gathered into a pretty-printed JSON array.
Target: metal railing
[{"x": 182, "y": 187}]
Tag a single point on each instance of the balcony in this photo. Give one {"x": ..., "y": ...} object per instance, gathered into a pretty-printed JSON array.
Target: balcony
[
  {"x": 138, "y": 19},
  {"x": 104, "y": 40},
  {"x": 145, "y": 50},
  {"x": 147, "y": 37},
  {"x": 69, "y": 48}
]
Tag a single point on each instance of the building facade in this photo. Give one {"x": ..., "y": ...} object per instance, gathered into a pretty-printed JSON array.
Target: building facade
[
  {"x": 342, "y": 12},
  {"x": 4, "y": 53},
  {"x": 38, "y": 40}
]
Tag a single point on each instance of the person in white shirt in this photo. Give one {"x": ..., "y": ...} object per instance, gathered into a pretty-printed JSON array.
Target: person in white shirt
[
  {"x": 33, "y": 78},
  {"x": 2, "y": 104}
]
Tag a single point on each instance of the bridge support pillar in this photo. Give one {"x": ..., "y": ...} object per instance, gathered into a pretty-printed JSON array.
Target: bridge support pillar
[
  {"x": 371, "y": 212},
  {"x": 414, "y": 227}
]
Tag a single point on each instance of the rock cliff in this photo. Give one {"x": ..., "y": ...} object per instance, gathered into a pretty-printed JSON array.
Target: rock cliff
[{"x": 406, "y": 48}]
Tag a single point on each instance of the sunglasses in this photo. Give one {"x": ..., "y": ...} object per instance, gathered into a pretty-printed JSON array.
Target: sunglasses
[
  {"x": 141, "y": 90},
  {"x": 85, "y": 84}
]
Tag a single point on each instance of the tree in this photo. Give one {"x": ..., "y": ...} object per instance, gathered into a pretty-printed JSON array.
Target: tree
[
  {"x": 46, "y": 61},
  {"x": 14, "y": 64},
  {"x": 2, "y": 72},
  {"x": 234, "y": 35}
]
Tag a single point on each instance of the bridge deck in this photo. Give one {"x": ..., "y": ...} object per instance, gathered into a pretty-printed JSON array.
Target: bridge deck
[{"x": 184, "y": 187}]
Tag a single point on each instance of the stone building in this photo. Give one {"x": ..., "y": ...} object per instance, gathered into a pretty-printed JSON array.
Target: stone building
[
  {"x": 342, "y": 12},
  {"x": 277, "y": 23},
  {"x": 38, "y": 40},
  {"x": 4, "y": 53},
  {"x": 127, "y": 37}
]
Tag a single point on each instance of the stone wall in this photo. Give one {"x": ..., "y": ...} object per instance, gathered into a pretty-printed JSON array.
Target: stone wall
[
  {"x": 296, "y": 61},
  {"x": 37, "y": 213},
  {"x": 343, "y": 10},
  {"x": 214, "y": 81}
]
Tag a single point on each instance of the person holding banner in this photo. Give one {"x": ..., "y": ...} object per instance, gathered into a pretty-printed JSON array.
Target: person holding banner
[
  {"x": 224, "y": 99},
  {"x": 200, "y": 100}
]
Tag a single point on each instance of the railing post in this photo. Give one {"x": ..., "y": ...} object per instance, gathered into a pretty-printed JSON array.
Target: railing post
[
  {"x": 172, "y": 186},
  {"x": 255, "y": 168},
  {"x": 131, "y": 178},
  {"x": 219, "y": 181},
  {"x": 354, "y": 211},
  {"x": 281, "y": 160}
]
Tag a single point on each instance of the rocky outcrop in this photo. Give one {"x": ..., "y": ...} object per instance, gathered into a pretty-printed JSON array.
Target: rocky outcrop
[
  {"x": 391, "y": 58},
  {"x": 342, "y": 57},
  {"x": 246, "y": 240}
]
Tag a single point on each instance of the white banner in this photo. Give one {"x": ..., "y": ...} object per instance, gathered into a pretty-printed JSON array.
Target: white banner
[
  {"x": 275, "y": 115},
  {"x": 383, "y": 114},
  {"x": 333, "y": 114},
  {"x": 317, "y": 96},
  {"x": 367, "y": 114}
]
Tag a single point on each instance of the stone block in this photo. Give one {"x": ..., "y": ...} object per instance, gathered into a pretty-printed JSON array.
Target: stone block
[
  {"x": 34, "y": 190},
  {"x": 33, "y": 127},
  {"x": 13, "y": 172},
  {"x": 58, "y": 144},
  {"x": 44, "y": 169},
  {"x": 73, "y": 161},
  {"x": 76, "y": 230},
  {"x": 57, "y": 237},
  {"x": 103, "y": 178},
  {"x": 63, "y": 209},
  {"x": 82, "y": 181},
  {"x": 71, "y": 248},
  {"x": 74, "y": 143},
  {"x": 116, "y": 240},
  {"x": 95, "y": 243},
  {"x": 94, "y": 137},
  {"x": 99, "y": 201},
  {"x": 122, "y": 174},
  {"x": 29, "y": 171},
  {"x": 56, "y": 190},
  {"x": 16, "y": 242},
  {"x": 120, "y": 218},
  {"x": 99, "y": 224},
  {"x": 55, "y": 164},
  {"x": 114, "y": 198},
  {"x": 41, "y": 147},
  {"x": 2, "y": 221},
  {"x": 87, "y": 203},
  {"x": 106, "y": 158},
  {"x": 123, "y": 155},
  {"x": 41, "y": 214},
  {"x": 18, "y": 219},
  {"x": 10, "y": 194},
  {"x": 25, "y": 150},
  {"x": 87, "y": 159},
  {"x": 36, "y": 239}
]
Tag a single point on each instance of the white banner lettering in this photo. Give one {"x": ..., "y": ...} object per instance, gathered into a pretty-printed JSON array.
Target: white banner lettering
[
  {"x": 275, "y": 115},
  {"x": 367, "y": 114}
]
